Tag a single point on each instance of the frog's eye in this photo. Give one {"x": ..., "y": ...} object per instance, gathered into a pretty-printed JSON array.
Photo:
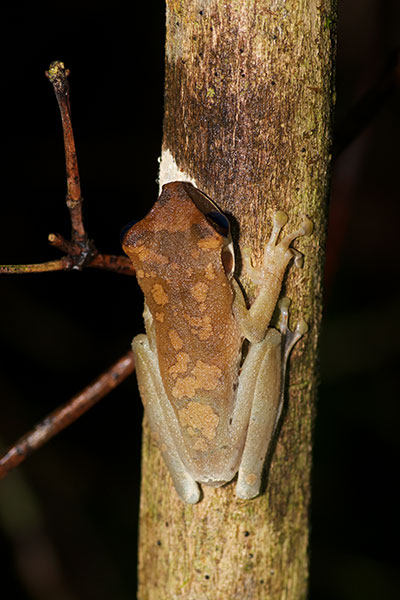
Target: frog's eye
[
  {"x": 219, "y": 222},
  {"x": 209, "y": 209},
  {"x": 125, "y": 229}
]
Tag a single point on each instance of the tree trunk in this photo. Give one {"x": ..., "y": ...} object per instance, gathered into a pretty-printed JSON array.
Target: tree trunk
[{"x": 248, "y": 106}]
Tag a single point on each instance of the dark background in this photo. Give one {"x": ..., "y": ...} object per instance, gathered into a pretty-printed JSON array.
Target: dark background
[{"x": 68, "y": 516}]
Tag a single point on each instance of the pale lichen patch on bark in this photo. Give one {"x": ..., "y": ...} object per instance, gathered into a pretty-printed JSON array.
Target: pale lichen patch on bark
[{"x": 169, "y": 170}]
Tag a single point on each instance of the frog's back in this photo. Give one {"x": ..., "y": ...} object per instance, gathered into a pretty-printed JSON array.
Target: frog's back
[{"x": 177, "y": 255}]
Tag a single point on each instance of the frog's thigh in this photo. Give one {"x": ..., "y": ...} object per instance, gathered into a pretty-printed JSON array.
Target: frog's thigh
[
  {"x": 153, "y": 394},
  {"x": 260, "y": 383}
]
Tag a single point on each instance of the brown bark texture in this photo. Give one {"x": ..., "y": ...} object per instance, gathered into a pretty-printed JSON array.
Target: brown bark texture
[{"x": 248, "y": 106}]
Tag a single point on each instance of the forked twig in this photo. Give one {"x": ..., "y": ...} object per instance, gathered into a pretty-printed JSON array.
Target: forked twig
[
  {"x": 81, "y": 251},
  {"x": 66, "y": 414}
]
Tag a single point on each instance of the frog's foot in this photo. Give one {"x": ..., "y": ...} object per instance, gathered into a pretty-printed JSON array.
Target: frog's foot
[
  {"x": 277, "y": 254},
  {"x": 289, "y": 338}
]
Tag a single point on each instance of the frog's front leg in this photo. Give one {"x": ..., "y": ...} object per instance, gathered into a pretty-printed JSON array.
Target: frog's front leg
[
  {"x": 262, "y": 382},
  {"x": 156, "y": 403},
  {"x": 277, "y": 255}
]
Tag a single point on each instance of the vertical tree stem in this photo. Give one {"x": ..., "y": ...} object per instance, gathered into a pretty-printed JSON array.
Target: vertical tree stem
[{"x": 248, "y": 105}]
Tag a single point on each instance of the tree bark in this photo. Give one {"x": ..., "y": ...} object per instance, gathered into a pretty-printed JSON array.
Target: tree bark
[{"x": 248, "y": 106}]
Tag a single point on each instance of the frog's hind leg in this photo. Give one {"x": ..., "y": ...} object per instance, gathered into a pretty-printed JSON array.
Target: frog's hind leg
[
  {"x": 260, "y": 381},
  {"x": 262, "y": 377},
  {"x": 152, "y": 394}
]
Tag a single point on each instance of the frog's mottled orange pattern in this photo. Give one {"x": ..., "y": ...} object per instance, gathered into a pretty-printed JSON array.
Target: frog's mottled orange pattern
[{"x": 178, "y": 254}]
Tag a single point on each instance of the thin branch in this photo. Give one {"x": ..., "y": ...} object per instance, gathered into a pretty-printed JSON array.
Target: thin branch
[
  {"x": 80, "y": 250},
  {"x": 107, "y": 262},
  {"x": 66, "y": 414},
  {"x": 52, "y": 265},
  {"x": 58, "y": 76},
  {"x": 110, "y": 262}
]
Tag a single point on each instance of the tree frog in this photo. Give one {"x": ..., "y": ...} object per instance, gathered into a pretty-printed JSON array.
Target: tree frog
[{"x": 212, "y": 405}]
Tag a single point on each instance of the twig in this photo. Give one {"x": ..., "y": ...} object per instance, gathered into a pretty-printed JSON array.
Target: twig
[
  {"x": 58, "y": 76},
  {"x": 52, "y": 265},
  {"x": 110, "y": 262},
  {"x": 66, "y": 414},
  {"x": 107, "y": 262},
  {"x": 81, "y": 251},
  {"x": 367, "y": 107}
]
